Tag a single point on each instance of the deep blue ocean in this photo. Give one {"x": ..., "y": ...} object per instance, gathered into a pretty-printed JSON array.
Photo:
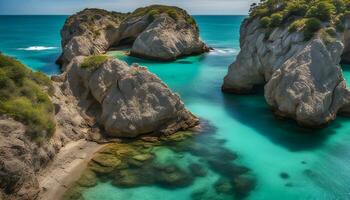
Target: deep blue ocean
[{"x": 317, "y": 162}]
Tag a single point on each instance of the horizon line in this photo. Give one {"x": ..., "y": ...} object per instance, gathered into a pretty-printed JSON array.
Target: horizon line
[{"x": 75, "y": 13}]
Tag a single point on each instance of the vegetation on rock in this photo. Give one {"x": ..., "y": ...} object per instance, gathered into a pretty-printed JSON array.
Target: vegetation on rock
[
  {"x": 22, "y": 97},
  {"x": 94, "y": 61},
  {"x": 155, "y": 10},
  {"x": 308, "y": 16}
]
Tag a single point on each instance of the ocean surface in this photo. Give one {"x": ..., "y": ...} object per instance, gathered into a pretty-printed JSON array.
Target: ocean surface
[{"x": 288, "y": 162}]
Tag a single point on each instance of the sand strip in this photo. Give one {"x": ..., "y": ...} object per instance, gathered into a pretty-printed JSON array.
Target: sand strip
[{"x": 66, "y": 168}]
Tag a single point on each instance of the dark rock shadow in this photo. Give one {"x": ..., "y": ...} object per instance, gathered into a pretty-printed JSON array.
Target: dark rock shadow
[{"x": 253, "y": 111}]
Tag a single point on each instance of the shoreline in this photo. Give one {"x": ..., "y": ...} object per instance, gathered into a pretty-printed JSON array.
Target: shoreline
[{"x": 66, "y": 168}]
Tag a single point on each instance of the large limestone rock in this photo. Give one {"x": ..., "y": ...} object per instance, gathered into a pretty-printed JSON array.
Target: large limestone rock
[
  {"x": 126, "y": 101},
  {"x": 166, "y": 39},
  {"x": 159, "y": 32},
  {"x": 303, "y": 79}
]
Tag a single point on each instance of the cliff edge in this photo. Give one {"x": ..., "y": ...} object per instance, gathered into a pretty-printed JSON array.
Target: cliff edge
[{"x": 294, "y": 48}]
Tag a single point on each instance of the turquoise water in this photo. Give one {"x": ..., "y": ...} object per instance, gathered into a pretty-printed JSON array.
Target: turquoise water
[
  {"x": 35, "y": 40},
  {"x": 317, "y": 162}
]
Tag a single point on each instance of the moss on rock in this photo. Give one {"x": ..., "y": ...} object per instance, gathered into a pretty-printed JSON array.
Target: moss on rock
[
  {"x": 88, "y": 179},
  {"x": 94, "y": 61}
]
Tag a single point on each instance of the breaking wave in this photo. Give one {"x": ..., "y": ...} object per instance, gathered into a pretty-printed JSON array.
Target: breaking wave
[{"x": 37, "y": 48}]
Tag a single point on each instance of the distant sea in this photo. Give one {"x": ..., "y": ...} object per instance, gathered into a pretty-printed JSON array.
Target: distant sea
[{"x": 288, "y": 162}]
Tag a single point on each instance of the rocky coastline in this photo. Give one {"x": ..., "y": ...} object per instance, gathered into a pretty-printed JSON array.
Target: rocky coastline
[
  {"x": 96, "y": 98},
  {"x": 295, "y": 53}
]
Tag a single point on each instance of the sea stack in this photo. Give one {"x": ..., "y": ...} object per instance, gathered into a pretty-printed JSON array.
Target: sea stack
[
  {"x": 295, "y": 50},
  {"x": 127, "y": 101},
  {"x": 155, "y": 32}
]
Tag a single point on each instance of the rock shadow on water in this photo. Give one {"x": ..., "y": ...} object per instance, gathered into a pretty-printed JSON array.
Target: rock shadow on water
[
  {"x": 253, "y": 111},
  {"x": 134, "y": 163}
]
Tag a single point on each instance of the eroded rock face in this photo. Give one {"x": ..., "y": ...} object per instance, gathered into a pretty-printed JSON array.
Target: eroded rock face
[
  {"x": 127, "y": 101},
  {"x": 166, "y": 39},
  {"x": 303, "y": 79},
  {"x": 22, "y": 159},
  {"x": 157, "y": 36}
]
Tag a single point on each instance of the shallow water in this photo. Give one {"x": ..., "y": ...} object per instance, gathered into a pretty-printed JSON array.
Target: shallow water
[{"x": 317, "y": 162}]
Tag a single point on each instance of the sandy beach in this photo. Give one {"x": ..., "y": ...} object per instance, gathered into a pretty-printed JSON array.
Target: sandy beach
[{"x": 66, "y": 168}]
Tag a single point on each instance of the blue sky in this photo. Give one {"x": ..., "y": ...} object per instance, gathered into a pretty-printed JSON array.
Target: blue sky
[{"x": 224, "y": 7}]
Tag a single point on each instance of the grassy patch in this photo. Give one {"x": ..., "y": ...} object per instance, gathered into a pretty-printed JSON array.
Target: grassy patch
[
  {"x": 22, "y": 97},
  {"x": 94, "y": 61}
]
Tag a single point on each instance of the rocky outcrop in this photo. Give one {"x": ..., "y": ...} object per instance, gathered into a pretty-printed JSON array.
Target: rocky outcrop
[
  {"x": 303, "y": 79},
  {"x": 166, "y": 39},
  {"x": 126, "y": 100},
  {"x": 22, "y": 159},
  {"x": 98, "y": 98},
  {"x": 155, "y": 32}
]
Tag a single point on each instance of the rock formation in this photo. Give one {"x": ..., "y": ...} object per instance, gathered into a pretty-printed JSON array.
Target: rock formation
[
  {"x": 154, "y": 32},
  {"x": 302, "y": 76},
  {"x": 126, "y": 100},
  {"x": 21, "y": 158},
  {"x": 96, "y": 96}
]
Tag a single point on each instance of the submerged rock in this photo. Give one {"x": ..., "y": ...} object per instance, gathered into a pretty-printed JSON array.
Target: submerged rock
[
  {"x": 106, "y": 160},
  {"x": 243, "y": 185},
  {"x": 198, "y": 169},
  {"x": 223, "y": 186},
  {"x": 174, "y": 178},
  {"x": 302, "y": 77},
  {"x": 87, "y": 179}
]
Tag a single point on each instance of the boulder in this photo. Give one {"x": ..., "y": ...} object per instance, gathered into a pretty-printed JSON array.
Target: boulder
[{"x": 127, "y": 101}]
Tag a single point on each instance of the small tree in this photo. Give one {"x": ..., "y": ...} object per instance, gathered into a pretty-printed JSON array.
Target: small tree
[
  {"x": 265, "y": 22},
  {"x": 276, "y": 20},
  {"x": 322, "y": 10},
  {"x": 312, "y": 25}
]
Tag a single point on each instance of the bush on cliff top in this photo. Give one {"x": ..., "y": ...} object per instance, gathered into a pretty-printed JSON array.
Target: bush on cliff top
[
  {"x": 295, "y": 12},
  {"x": 155, "y": 10},
  {"x": 23, "y": 98}
]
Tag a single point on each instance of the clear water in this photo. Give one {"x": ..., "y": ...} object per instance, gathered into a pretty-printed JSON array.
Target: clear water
[{"x": 318, "y": 162}]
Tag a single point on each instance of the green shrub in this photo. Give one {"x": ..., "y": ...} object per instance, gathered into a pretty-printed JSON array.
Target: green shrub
[
  {"x": 173, "y": 14},
  {"x": 331, "y": 31},
  {"x": 312, "y": 25},
  {"x": 191, "y": 21},
  {"x": 276, "y": 20},
  {"x": 326, "y": 35},
  {"x": 265, "y": 22},
  {"x": 43, "y": 80},
  {"x": 93, "y": 62},
  {"x": 152, "y": 14},
  {"x": 296, "y": 25},
  {"x": 322, "y": 10},
  {"x": 339, "y": 23},
  {"x": 23, "y": 98},
  {"x": 296, "y": 9},
  {"x": 340, "y": 5}
]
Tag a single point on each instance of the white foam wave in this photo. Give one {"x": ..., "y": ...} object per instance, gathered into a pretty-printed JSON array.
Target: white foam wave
[
  {"x": 37, "y": 48},
  {"x": 224, "y": 52}
]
